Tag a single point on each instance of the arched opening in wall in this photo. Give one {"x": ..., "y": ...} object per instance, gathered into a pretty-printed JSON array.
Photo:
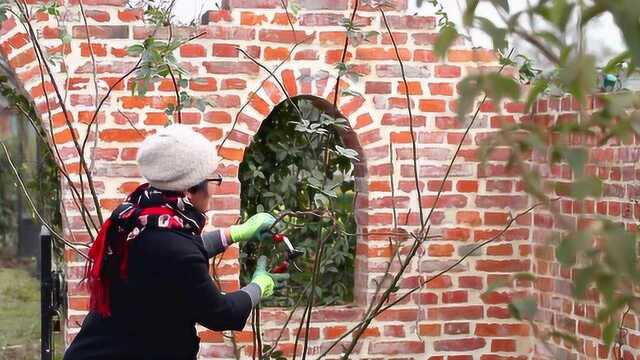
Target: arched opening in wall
[{"x": 308, "y": 171}]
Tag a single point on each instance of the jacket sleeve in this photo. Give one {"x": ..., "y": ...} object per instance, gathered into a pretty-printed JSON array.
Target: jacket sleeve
[
  {"x": 208, "y": 306},
  {"x": 214, "y": 243}
]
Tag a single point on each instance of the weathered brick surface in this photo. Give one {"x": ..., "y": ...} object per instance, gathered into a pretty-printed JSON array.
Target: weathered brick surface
[{"x": 451, "y": 318}]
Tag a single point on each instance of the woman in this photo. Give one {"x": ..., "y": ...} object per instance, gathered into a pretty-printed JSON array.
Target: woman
[{"x": 148, "y": 278}]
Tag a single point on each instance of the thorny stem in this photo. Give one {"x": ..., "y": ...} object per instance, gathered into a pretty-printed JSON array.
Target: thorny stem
[
  {"x": 363, "y": 324},
  {"x": 103, "y": 100},
  {"x": 275, "y": 78},
  {"x": 314, "y": 279},
  {"x": 423, "y": 233},
  {"x": 95, "y": 76},
  {"x": 286, "y": 323},
  {"x": 455, "y": 154},
  {"x": 175, "y": 87},
  {"x": 42, "y": 60},
  {"x": 258, "y": 332},
  {"x": 84, "y": 212},
  {"x": 235, "y": 121},
  {"x": 414, "y": 148},
  {"x": 344, "y": 56},
  {"x": 33, "y": 205}
]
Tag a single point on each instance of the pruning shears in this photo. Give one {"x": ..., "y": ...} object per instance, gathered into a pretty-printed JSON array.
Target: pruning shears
[{"x": 291, "y": 253}]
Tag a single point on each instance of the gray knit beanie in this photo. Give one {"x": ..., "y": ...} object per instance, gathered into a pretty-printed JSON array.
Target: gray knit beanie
[{"x": 176, "y": 158}]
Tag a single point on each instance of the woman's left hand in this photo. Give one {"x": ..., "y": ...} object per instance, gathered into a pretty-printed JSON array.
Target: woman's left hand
[{"x": 256, "y": 227}]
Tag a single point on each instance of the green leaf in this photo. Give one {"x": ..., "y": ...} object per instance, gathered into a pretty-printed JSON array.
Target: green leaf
[
  {"x": 539, "y": 86},
  {"x": 591, "y": 12},
  {"x": 580, "y": 77},
  {"x": 586, "y": 186},
  {"x": 621, "y": 249},
  {"x": 561, "y": 13},
  {"x": 497, "y": 285},
  {"x": 504, "y": 4},
  {"x": 447, "y": 35},
  {"x": 348, "y": 153},
  {"x": 626, "y": 14},
  {"x": 498, "y": 35},
  {"x": 523, "y": 309},
  {"x": 577, "y": 158},
  {"x": 583, "y": 278},
  {"x": 470, "y": 12},
  {"x": 496, "y": 86},
  {"x": 614, "y": 65},
  {"x": 525, "y": 276},
  {"x": 571, "y": 245},
  {"x": 571, "y": 339},
  {"x": 609, "y": 333},
  {"x": 135, "y": 50},
  {"x": 349, "y": 92}
]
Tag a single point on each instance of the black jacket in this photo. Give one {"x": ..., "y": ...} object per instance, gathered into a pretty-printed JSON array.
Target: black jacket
[{"x": 155, "y": 310}]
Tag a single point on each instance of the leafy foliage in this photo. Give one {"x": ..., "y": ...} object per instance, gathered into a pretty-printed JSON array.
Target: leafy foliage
[
  {"x": 603, "y": 255},
  {"x": 298, "y": 164}
]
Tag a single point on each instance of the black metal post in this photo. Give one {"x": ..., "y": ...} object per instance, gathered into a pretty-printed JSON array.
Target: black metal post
[{"x": 45, "y": 295}]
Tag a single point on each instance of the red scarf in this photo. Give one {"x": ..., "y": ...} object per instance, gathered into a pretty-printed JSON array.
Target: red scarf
[{"x": 144, "y": 208}]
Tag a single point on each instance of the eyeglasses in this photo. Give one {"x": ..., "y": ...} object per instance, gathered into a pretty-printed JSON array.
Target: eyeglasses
[{"x": 217, "y": 179}]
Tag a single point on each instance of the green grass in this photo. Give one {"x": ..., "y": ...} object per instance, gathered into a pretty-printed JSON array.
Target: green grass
[{"x": 20, "y": 315}]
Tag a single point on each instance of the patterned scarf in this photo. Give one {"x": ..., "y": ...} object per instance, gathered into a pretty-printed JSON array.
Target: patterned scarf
[{"x": 146, "y": 207}]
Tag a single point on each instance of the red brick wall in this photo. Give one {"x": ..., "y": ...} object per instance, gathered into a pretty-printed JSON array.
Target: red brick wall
[
  {"x": 616, "y": 163},
  {"x": 450, "y": 318}
]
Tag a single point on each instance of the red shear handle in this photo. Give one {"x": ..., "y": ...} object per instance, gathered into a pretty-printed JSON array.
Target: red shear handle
[
  {"x": 278, "y": 238},
  {"x": 283, "y": 267}
]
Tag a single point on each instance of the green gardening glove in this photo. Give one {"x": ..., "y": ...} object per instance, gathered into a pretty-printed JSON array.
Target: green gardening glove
[
  {"x": 264, "y": 279},
  {"x": 256, "y": 228}
]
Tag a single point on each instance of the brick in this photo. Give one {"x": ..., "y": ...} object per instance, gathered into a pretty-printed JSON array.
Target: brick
[
  {"x": 333, "y": 332},
  {"x": 279, "y": 53},
  {"x": 467, "y": 344},
  {"x": 192, "y": 50},
  {"x": 250, "y": 18},
  {"x": 447, "y": 71},
  {"x": 233, "y": 84},
  {"x": 503, "y": 265},
  {"x": 120, "y": 135},
  {"x": 97, "y": 15},
  {"x": 284, "y": 36},
  {"x": 231, "y": 67},
  {"x": 501, "y": 201},
  {"x": 396, "y": 347},
  {"x": 427, "y": 56},
  {"x": 441, "y": 89},
  {"x": 323, "y": 4},
  {"x": 411, "y": 22},
  {"x": 130, "y": 15},
  {"x": 455, "y": 313},
  {"x": 400, "y": 38},
  {"x": 428, "y": 105},
  {"x": 502, "y": 330},
  {"x": 377, "y": 87},
  {"x": 468, "y": 217},
  {"x": 456, "y": 328},
  {"x": 203, "y": 84},
  {"x": 414, "y": 88},
  {"x": 230, "y": 33},
  {"x": 452, "y": 297},
  {"x": 101, "y": 32},
  {"x": 470, "y": 282},
  {"x": 363, "y": 53},
  {"x": 503, "y": 345},
  {"x": 307, "y": 54}
]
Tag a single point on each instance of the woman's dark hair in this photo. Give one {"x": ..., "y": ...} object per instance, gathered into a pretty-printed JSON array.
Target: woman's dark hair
[{"x": 201, "y": 186}]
